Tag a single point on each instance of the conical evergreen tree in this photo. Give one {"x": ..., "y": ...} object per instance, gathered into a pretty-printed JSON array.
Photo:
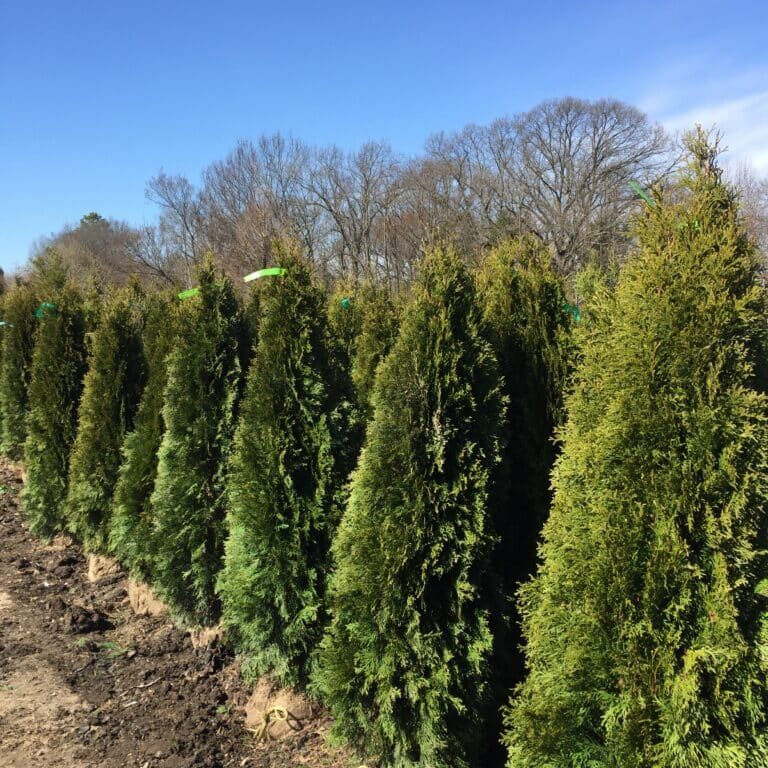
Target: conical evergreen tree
[
  {"x": 343, "y": 320},
  {"x": 642, "y": 623},
  {"x": 131, "y": 523},
  {"x": 403, "y": 664},
  {"x": 363, "y": 321},
  {"x": 18, "y": 336},
  {"x": 378, "y": 330},
  {"x": 525, "y": 313},
  {"x": 199, "y": 411},
  {"x": 524, "y": 309},
  {"x": 112, "y": 387},
  {"x": 56, "y": 381},
  {"x": 345, "y": 317},
  {"x": 293, "y": 452}
]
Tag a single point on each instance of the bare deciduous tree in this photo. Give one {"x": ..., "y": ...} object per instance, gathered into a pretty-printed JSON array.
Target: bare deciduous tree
[
  {"x": 180, "y": 219},
  {"x": 753, "y": 199},
  {"x": 572, "y": 170}
]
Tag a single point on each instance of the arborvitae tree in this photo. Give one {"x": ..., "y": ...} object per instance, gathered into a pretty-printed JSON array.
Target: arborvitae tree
[
  {"x": 363, "y": 320},
  {"x": 56, "y": 380},
  {"x": 199, "y": 410},
  {"x": 378, "y": 329},
  {"x": 112, "y": 388},
  {"x": 403, "y": 663},
  {"x": 524, "y": 309},
  {"x": 589, "y": 284},
  {"x": 18, "y": 336},
  {"x": 294, "y": 449},
  {"x": 252, "y": 312},
  {"x": 131, "y": 525},
  {"x": 642, "y": 623},
  {"x": 345, "y": 317},
  {"x": 525, "y": 314}
]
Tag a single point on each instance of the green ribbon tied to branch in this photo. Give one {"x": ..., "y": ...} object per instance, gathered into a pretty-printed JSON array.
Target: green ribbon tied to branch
[
  {"x": 268, "y": 272},
  {"x": 638, "y": 190},
  {"x": 46, "y": 309},
  {"x": 573, "y": 310},
  {"x": 188, "y": 293}
]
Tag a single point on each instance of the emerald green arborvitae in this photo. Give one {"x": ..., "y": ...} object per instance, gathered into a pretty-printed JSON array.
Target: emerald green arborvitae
[
  {"x": 112, "y": 388},
  {"x": 364, "y": 323},
  {"x": 523, "y": 306},
  {"x": 56, "y": 381},
  {"x": 345, "y": 317},
  {"x": 293, "y": 452},
  {"x": 378, "y": 330},
  {"x": 524, "y": 310},
  {"x": 131, "y": 529},
  {"x": 642, "y": 623},
  {"x": 199, "y": 411},
  {"x": 18, "y": 337},
  {"x": 403, "y": 664}
]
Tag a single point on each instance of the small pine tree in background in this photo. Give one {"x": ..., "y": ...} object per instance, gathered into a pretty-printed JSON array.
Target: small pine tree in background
[
  {"x": 293, "y": 451},
  {"x": 403, "y": 663},
  {"x": 56, "y": 381},
  {"x": 131, "y": 524},
  {"x": 112, "y": 388},
  {"x": 642, "y": 623},
  {"x": 18, "y": 341},
  {"x": 199, "y": 411}
]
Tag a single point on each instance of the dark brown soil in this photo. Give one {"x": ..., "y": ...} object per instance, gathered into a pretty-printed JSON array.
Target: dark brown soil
[{"x": 85, "y": 682}]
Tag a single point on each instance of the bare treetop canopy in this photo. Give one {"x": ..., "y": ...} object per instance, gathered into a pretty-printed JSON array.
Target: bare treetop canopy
[{"x": 560, "y": 171}]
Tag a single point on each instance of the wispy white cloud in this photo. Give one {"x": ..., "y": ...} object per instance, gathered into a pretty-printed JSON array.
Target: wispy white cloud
[
  {"x": 742, "y": 121},
  {"x": 735, "y": 104}
]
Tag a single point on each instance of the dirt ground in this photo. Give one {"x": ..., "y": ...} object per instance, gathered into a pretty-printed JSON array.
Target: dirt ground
[{"x": 86, "y": 682}]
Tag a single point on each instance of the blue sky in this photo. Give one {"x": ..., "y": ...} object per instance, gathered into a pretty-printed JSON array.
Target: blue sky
[{"x": 97, "y": 97}]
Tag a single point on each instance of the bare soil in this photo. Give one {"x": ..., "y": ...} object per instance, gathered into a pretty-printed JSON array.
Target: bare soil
[{"x": 85, "y": 682}]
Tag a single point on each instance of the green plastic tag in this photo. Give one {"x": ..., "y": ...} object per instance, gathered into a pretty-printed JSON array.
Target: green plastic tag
[
  {"x": 268, "y": 272},
  {"x": 638, "y": 190},
  {"x": 189, "y": 292},
  {"x": 346, "y": 303},
  {"x": 47, "y": 308},
  {"x": 574, "y": 311}
]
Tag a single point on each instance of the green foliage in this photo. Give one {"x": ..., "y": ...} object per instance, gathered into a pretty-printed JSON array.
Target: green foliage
[
  {"x": 377, "y": 333},
  {"x": 252, "y": 313},
  {"x": 643, "y": 621},
  {"x": 524, "y": 311},
  {"x": 18, "y": 336},
  {"x": 131, "y": 537},
  {"x": 345, "y": 317},
  {"x": 199, "y": 411},
  {"x": 112, "y": 388},
  {"x": 293, "y": 451},
  {"x": 523, "y": 307},
  {"x": 363, "y": 320},
  {"x": 56, "y": 378},
  {"x": 403, "y": 663}
]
